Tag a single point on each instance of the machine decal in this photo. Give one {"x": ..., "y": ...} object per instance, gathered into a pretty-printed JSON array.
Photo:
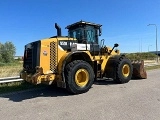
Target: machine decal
[
  {"x": 62, "y": 43},
  {"x": 45, "y": 53},
  {"x": 66, "y": 44}
]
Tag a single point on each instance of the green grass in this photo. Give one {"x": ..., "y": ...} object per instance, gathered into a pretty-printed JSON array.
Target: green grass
[
  {"x": 141, "y": 56},
  {"x": 152, "y": 67},
  {"x": 10, "y": 69}
]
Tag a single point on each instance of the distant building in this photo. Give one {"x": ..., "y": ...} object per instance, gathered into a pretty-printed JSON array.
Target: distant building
[{"x": 17, "y": 57}]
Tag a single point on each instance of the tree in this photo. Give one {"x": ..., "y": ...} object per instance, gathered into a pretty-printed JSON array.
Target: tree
[{"x": 7, "y": 51}]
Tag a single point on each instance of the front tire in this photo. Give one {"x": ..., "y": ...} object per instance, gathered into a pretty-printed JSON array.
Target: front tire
[
  {"x": 79, "y": 76},
  {"x": 124, "y": 70}
]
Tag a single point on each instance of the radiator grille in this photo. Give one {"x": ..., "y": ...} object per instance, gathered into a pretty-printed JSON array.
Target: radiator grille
[
  {"x": 53, "y": 57},
  {"x": 28, "y": 64},
  {"x": 31, "y": 56}
]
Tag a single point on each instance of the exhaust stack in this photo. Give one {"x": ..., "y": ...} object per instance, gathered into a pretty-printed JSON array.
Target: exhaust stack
[{"x": 58, "y": 29}]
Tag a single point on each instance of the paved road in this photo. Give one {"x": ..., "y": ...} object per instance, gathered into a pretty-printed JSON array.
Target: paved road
[{"x": 136, "y": 100}]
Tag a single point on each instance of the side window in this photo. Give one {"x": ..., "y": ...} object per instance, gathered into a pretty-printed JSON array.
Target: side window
[
  {"x": 75, "y": 34},
  {"x": 70, "y": 34}
]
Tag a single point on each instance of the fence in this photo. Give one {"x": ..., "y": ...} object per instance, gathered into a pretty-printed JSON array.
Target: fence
[{"x": 10, "y": 79}]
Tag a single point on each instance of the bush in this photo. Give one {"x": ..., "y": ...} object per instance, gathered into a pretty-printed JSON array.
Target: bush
[
  {"x": 7, "y": 52},
  {"x": 141, "y": 56}
]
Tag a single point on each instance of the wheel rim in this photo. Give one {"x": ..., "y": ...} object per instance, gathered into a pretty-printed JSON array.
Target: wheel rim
[
  {"x": 126, "y": 70},
  {"x": 82, "y": 77}
]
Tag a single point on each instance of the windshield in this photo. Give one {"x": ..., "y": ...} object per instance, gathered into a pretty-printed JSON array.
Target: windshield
[{"x": 84, "y": 35}]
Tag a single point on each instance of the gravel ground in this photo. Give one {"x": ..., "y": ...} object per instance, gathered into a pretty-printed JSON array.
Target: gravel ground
[{"x": 136, "y": 100}]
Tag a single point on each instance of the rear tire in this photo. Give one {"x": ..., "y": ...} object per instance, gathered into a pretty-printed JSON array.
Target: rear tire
[
  {"x": 124, "y": 70},
  {"x": 79, "y": 76}
]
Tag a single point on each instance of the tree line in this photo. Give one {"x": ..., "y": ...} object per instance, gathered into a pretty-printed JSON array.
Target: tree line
[
  {"x": 141, "y": 56},
  {"x": 7, "y": 52}
]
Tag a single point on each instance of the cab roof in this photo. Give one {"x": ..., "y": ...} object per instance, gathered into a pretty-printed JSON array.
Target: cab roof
[{"x": 82, "y": 23}]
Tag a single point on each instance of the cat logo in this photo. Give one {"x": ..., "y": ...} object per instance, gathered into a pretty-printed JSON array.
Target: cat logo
[{"x": 45, "y": 53}]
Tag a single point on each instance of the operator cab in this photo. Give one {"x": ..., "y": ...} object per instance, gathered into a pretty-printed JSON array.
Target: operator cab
[{"x": 85, "y": 32}]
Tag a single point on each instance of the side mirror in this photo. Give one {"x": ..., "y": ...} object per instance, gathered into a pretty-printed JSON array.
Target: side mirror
[
  {"x": 100, "y": 31},
  {"x": 116, "y": 45}
]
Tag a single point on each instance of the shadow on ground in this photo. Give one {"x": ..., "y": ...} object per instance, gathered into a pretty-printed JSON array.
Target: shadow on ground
[
  {"x": 34, "y": 93},
  {"x": 104, "y": 82},
  {"x": 47, "y": 91}
]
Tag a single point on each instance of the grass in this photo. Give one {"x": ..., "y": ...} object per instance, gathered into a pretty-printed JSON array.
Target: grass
[
  {"x": 152, "y": 67},
  {"x": 8, "y": 70}
]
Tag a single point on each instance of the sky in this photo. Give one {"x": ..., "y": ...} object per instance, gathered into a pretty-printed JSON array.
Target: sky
[{"x": 123, "y": 21}]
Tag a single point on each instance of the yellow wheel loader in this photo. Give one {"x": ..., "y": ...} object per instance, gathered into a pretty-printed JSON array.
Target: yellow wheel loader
[{"x": 75, "y": 61}]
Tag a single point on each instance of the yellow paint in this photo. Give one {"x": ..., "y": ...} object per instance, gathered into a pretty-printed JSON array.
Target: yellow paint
[
  {"x": 82, "y": 77},
  {"x": 126, "y": 70},
  {"x": 45, "y": 52},
  {"x": 52, "y": 77},
  {"x": 47, "y": 77},
  {"x": 100, "y": 59}
]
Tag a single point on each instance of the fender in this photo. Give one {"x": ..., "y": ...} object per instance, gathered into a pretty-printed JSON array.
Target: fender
[
  {"x": 110, "y": 67},
  {"x": 68, "y": 57}
]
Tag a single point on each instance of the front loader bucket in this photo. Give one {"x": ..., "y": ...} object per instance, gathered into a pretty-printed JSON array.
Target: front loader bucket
[{"x": 138, "y": 70}]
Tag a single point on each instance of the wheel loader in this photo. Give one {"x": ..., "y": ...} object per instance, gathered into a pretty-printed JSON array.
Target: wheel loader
[{"x": 75, "y": 61}]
